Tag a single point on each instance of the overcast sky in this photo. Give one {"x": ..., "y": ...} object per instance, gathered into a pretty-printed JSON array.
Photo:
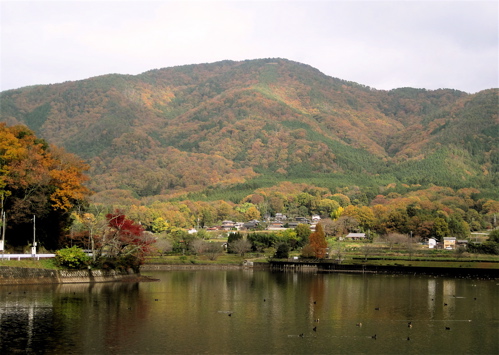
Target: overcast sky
[{"x": 382, "y": 44}]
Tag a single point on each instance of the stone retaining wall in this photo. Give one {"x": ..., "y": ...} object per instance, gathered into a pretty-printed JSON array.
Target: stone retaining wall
[{"x": 17, "y": 275}]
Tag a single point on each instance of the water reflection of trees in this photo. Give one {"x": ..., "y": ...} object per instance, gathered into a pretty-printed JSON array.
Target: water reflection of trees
[
  {"x": 36, "y": 317},
  {"x": 23, "y": 316},
  {"x": 190, "y": 313},
  {"x": 111, "y": 310}
]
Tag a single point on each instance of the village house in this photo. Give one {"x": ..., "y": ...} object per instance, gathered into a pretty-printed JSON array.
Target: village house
[
  {"x": 432, "y": 243},
  {"x": 228, "y": 225},
  {"x": 302, "y": 220},
  {"x": 250, "y": 225},
  {"x": 313, "y": 226},
  {"x": 354, "y": 236},
  {"x": 449, "y": 243},
  {"x": 280, "y": 217},
  {"x": 238, "y": 225},
  {"x": 276, "y": 225}
]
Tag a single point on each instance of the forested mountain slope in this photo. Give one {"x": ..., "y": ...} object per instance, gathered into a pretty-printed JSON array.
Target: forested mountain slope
[{"x": 186, "y": 128}]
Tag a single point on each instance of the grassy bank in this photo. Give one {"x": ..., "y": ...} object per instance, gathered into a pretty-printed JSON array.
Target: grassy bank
[
  {"x": 225, "y": 259},
  {"x": 392, "y": 258},
  {"x": 26, "y": 263},
  {"x": 426, "y": 263}
]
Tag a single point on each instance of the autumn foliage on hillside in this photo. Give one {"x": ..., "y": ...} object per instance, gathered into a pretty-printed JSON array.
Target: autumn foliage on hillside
[
  {"x": 37, "y": 179},
  {"x": 392, "y": 209},
  {"x": 194, "y": 127}
]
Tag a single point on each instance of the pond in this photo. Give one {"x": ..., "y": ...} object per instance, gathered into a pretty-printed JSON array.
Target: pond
[{"x": 254, "y": 312}]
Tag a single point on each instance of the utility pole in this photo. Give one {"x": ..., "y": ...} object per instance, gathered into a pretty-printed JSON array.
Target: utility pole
[
  {"x": 3, "y": 233},
  {"x": 33, "y": 248}
]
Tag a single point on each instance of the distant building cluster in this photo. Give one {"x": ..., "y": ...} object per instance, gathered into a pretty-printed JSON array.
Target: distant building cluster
[
  {"x": 278, "y": 222},
  {"x": 449, "y": 243}
]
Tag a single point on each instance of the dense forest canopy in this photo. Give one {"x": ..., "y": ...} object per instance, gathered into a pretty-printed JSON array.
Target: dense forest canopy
[
  {"x": 213, "y": 141},
  {"x": 39, "y": 183}
]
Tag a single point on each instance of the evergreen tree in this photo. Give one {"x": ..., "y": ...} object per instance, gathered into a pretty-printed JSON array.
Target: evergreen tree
[
  {"x": 282, "y": 251},
  {"x": 233, "y": 237}
]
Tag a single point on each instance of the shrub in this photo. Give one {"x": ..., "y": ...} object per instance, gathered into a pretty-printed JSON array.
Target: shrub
[
  {"x": 282, "y": 251},
  {"x": 233, "y": 237},
  {"x": 494, "y": 236},
  {"x": 308, "y": 252},
  {"x": 261, "y": 241},
  {"x": 118, "y": 263},
  {"x": 72, "y": 258},
  {"x": 213, "y": 250},
  {"x": 484, "y": 248}
]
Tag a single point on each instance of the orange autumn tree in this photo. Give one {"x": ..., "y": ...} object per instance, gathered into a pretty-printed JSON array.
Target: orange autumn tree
[
  {"x": 37, "y": 179},
  {"x": 317, "y": 240}
]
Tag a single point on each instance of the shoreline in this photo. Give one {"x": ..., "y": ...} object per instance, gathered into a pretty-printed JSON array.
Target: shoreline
[
  {"x": 11, "y": 275},
  {"x": 322, "y": 267},
  {"x": 31, "y": 276},
  {"x": 318, "y": 267}
]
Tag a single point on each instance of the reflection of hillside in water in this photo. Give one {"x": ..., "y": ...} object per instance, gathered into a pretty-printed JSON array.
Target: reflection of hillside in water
[{"x": 190, "y": 312}]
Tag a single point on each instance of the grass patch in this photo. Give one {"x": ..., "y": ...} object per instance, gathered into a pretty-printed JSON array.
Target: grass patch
[
  {"x": 425, "y": 263},
  {"x": 33, "y": 264},
  {"x": 224, "y": 259}
]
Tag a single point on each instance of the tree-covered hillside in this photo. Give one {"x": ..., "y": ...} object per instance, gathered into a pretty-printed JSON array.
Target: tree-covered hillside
[{"x": 209, "y": 127}]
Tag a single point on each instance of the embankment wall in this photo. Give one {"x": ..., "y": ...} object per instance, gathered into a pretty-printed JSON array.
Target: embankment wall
[{"x": 17, "y": 276}]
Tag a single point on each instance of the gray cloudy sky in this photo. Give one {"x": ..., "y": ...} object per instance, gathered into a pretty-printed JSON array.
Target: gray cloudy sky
[{"x": 382, "y": 44}]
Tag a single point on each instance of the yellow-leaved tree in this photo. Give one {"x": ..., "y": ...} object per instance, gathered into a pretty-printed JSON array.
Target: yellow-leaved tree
[{"x": 38, "y": 182}]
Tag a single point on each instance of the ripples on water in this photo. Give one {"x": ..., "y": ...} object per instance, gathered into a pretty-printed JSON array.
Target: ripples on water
[{"x": 253, "y": 312}]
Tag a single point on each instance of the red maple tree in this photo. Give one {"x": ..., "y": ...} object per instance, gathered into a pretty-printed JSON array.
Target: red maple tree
[{"x": 125, "y": 237}]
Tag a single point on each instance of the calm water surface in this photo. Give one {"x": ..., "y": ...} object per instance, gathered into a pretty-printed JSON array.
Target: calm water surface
[{"x": 254, "y": 312}]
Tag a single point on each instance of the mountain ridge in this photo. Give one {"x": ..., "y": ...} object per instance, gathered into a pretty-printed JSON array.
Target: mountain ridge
[{"x": 216, "y": 124}]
